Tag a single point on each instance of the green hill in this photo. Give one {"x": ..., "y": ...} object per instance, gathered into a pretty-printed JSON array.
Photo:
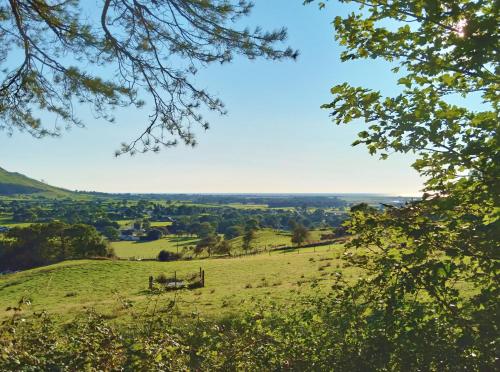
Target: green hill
[
  {"x": 232, "y": 284},
  {"x": 12, "y": 183}
]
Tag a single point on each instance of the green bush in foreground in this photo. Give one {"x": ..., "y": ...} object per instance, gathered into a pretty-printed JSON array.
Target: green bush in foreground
[{"x": 337, "y": 332}]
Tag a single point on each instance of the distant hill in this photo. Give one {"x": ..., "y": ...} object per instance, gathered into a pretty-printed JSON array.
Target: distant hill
[{"x": 12, "y": 183}]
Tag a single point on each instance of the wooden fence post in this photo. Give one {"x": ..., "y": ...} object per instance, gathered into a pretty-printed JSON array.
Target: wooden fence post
[
  {"x": 203, "y": 278},
  {"x": 151, "y": 282}
]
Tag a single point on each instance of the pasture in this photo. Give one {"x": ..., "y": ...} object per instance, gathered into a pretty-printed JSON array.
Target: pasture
[
  {"x": 120, "y": 288},
  {"x": 264, "y": 239},
  {"x": 148, "y": 250}
]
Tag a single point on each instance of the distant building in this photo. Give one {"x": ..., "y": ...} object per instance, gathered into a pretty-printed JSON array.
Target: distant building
[{"x": 129, "y": 232}]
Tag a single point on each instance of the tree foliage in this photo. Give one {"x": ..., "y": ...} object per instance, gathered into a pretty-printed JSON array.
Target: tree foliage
[
  {"x": 434, "y": 260},
  {"x": 51, "y": 54},
  {"x": 299, "y": 234},
  {"x": 43, "y": 244},
  {"x": 248, "y": 238}
]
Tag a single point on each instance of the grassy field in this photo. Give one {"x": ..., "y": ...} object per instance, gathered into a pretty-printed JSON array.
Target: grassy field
[
  {"x": 128, "y": 223},
  {"x": 265, "y": 238},
  {"x": 143, "y": 250},
  {"x": 6, "y": 220},
  {"x": 119, "y": 288},
  {"x": 268, "y": 238}
]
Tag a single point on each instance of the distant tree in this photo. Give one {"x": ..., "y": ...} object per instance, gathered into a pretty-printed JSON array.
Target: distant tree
[
  {"x": 248, "y": 238},
  {"x": 111, "y": 233},
  {"x": 206, "y": 230},
  {"x": 24, "y": 215},
  {"x": 252, "y": 224},
  {"x": 223, "y": 248},
  {"x": 362, "y": 207},
  {"x": 85, "y": 241},
  {"x": 43, "y": 244},
  {"x": 52, "y": 54},
  {"x": 340, "y": 231},
  {"x": 137, "y": 224},
  {"x": 164, "y": 230},
  {"x": 233, "y": 232},
  {"x": 167, "y": 256},
  {"x": 194, "y": 228},
  {"x": 207, "y": 243},
  {"x": 300, "y": 234},
  {"x": 146, "y": 224},
  {"x": 154, "y": 234}
]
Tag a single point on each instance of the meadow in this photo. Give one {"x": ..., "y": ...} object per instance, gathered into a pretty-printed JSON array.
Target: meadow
[
  {"x": 264, "y": 239},
  {"x": 119, "y": 288},
  {"x": 6, "y": 220},
  {"x": 150, "y": 250}
]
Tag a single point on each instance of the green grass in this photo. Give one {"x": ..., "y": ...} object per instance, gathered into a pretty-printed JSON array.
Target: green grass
[
  {"x": 231, "y": 284},
  {"x": 268, "y": 238},
  {"x": 160, "y": 223},
  {"x": 265, "y": 238},
  {"x": 16, "y": 181},
  {"x": 6, "y": 220},
  {"x": 151, "y": 249},
  {"x": 128, "y": 223}
]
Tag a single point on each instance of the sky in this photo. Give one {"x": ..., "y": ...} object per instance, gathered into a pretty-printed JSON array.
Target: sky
[{"x": 274, "y": 139}]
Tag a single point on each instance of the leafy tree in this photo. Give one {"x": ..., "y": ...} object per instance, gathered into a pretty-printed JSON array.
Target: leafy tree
[
  {"x": 111, "y": 233},
  {"x": 223, "y": 248},
  {"x": 252, "y": 224},
  {"x": 422, "y": 258},
  {"x": 194, "y": 228},
  {"x": 24, "y": 215},
  {"x": 205, "y": 230},
  {"x": 233, "y": 232},
  {"x": 362, "y": 207},
  {"x": 84, "y": 241},
  {"x": 43, "y": 244},
  {"x": 146, "y": 225},
  {"x": 300, "y": 234},
  {"x": 248, "y": 238},
  {"x": 207, "y": 243},
  {"x": 52, "y": 52},
  {"x": 167, "y": 256},
  {"x": 137, "y": 224},
  {"x": 154, "y": 234}
]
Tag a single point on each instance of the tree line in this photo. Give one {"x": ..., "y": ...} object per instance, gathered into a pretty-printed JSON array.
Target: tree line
[{"x": 43, "y": 244}]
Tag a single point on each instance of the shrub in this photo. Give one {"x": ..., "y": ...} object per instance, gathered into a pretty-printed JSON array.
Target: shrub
[
  {"x": 161, "y": 278},
  {"x": 167, "y": 256},
  {"x": 153, "y": 234}
]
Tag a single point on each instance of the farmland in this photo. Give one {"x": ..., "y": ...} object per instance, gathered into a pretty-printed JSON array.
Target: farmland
[
  {"x": 264, "y": 239},
  {"x": 147, "y": 250},
  {"x": 232, "y": 284}
]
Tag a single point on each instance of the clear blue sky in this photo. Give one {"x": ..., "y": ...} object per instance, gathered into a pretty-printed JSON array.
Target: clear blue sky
[{"x": 275, "y": 137}]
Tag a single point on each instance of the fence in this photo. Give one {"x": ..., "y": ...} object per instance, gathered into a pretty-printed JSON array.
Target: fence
[{"x": 196, "y": 280}]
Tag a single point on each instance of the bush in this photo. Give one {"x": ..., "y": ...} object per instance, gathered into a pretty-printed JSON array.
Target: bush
[
  {"x": 321, "y": 336},
  {"x": 161, "y": 278},
  {"x": 153, "y": 234},
  {"x": 167, "y": 256}
]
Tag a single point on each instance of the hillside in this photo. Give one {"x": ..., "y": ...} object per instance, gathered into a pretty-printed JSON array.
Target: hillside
[
  {"x": 232, "y": 284},
  {"x": 12, "y": 183}
]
